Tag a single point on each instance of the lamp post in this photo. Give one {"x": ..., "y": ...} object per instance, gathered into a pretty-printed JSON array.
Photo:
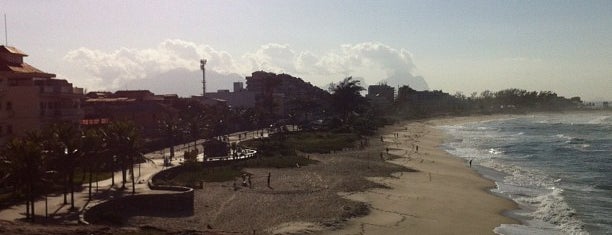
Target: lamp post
[{"x": 48, "y": 176}]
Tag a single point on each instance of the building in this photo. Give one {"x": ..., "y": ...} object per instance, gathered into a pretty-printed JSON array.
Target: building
[
  {"x": 383, "y": 91},
  {"x": 31, "y": 99},
  {"x": 239, "y": 98},
  {"x": 381, "y": 96},
  {"x": 286, "y": 96},
  {"x": 142, "y": 107}
]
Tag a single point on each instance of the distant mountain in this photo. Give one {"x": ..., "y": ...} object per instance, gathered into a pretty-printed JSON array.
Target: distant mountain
[
  {"x": 415, "y": 82},
  {"x": 184, "y": 82}
]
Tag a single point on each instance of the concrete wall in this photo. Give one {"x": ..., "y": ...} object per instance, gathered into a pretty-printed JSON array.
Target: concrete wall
[{"x": 178, "y": 202}]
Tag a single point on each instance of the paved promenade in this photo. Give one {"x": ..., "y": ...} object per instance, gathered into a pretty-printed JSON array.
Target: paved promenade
[{"x": 58, "y": 212}]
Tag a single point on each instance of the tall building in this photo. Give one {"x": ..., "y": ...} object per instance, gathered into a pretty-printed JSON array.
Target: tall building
[
  {"x": 31, "y": 99},
  {"x": 381, "y": 91},
  {"x": 285, "y": 95},
  {"x": 381, "y": 96}
]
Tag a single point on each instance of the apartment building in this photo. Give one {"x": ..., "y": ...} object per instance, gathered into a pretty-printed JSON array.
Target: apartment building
[{"x": 31, "y": 99}]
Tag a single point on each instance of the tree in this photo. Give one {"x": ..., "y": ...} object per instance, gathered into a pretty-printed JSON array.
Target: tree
[
  {"x": 93, "y": 149},
  {"x": 346, "y": 98},
  {"x": 64, "y": 143},
  {"x": 171, "y": 131},
  {"x": 23, "y": 162},
  {"x": 125, "y": 143}
]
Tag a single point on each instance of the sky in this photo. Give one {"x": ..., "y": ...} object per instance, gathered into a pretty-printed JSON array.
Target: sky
[{"x": 454, "y": 46}]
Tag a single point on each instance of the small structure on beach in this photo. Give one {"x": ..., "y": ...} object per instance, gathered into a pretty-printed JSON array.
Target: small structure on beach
[{"x": 215, "y": 148}]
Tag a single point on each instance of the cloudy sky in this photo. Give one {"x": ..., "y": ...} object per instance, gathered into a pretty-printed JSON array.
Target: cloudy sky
[{"x": 466, "y": 46}]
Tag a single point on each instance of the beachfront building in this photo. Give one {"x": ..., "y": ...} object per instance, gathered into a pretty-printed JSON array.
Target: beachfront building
[
  {"x": 239, "y": 98},
  {"x": 31, "y": 99},
  {"x": 286, "y": 96},
  {"x": 142, "y": 107},
  {"x": 381, "y": 96}
]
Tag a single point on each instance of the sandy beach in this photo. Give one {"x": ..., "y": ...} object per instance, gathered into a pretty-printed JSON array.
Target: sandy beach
[
  {"x": 356, "y": 191},
  {"x": 444, "y": 196}
]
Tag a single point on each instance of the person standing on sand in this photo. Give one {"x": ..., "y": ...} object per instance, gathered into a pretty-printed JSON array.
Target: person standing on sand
[
  {"x": 471, "y": 163},
  {"x": 250, "y": 183},
  {"x": 269, "y": 175},
  {"x": 417, "y": 148}
]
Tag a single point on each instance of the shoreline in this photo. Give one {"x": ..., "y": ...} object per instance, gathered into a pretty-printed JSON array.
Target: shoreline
[
  {"x": 426, "y": 207},
  {"x": 350, "y": 192}
]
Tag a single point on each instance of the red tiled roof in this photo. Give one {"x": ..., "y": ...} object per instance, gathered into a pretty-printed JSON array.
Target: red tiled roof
[
  {"x": 24, "y": 68},
  {"x": 12, "y": 50},
  {"x": 109, "y": 100}
]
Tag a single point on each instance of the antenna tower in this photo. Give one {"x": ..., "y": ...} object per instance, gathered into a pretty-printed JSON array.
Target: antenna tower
[
  {"x": 202, "y": 66},
  {"x": 5, "y": 32}
]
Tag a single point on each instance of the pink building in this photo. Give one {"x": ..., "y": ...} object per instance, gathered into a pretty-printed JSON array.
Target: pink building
[{"x": 31, "y": 99}]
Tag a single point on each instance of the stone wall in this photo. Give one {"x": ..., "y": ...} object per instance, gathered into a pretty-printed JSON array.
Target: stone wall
[{"x": 174, "y": 202}]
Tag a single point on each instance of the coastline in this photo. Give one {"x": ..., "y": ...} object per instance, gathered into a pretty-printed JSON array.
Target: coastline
[
  {"x": 348, "y": 192},
  {"x": 445, "y": 196}
]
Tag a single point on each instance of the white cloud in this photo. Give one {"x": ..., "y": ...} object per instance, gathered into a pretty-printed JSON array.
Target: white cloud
[{"x": 370, "y": 60}]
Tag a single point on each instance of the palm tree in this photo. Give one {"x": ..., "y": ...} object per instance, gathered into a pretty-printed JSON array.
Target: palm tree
[
  {"x": 346, "y": 98},
  {"x": 125, "y": 142},
  {"x": 93, "y": 149},
  {"x": 23, "y": 160},
  {"x": 65, "y": 142},
  {"x": 109, "y": 154},
  {"x": 170, "y": 129}
]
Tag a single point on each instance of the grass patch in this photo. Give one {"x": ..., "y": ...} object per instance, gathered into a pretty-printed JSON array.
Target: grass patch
[
  {"x": 276, "y": 162},
  {"x": 278, "y": 151},
  {"x": 308, "y": 142},
  {"x": 81, "y": 177},
  {"x": 321, "y": 142},
  {"x": 190, "y": 175}
]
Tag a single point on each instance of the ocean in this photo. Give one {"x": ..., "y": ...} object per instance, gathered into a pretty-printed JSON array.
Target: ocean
[{"x": 556, "y": 167}]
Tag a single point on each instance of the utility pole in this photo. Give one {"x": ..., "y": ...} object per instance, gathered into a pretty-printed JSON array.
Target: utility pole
[
  {"x": 202, "y": 66},
  {"x": 5, "y": 32}
]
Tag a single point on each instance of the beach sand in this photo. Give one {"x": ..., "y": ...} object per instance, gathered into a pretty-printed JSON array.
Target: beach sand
[
  {"x": 348, "y": 192},
  {"x": 444, "y": 197},
  {"x": 357, "y": 192}
]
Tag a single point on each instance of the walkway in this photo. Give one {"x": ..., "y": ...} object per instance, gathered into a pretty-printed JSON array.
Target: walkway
[{"x": 61, "y": 213}]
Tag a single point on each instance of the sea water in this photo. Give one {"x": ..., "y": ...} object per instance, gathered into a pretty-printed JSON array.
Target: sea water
[{"x": 557, "y": 167}]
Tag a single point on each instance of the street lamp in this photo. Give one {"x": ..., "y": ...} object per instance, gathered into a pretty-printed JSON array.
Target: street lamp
[{"x": 47, "y": 179}]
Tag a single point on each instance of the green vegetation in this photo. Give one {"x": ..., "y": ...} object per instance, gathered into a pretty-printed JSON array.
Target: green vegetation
[
  {"x": 81, "y": 177},
  {"x": 285, "y": 144},
  {"x": 276, "y": 162},
  {"x": 192, "y": 174},
  {"x": 278, "y": 151},
  {"x": 321, "y": 142}
]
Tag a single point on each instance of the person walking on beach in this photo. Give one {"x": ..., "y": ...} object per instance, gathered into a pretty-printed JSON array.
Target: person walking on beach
[
  {"x": 417, "y": 148},
  {"x": 471, "y": 163},
  {"x": 269, "y": 175}
]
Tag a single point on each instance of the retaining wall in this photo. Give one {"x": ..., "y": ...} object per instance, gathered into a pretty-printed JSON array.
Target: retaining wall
[{"x": 178, "y": 203}]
